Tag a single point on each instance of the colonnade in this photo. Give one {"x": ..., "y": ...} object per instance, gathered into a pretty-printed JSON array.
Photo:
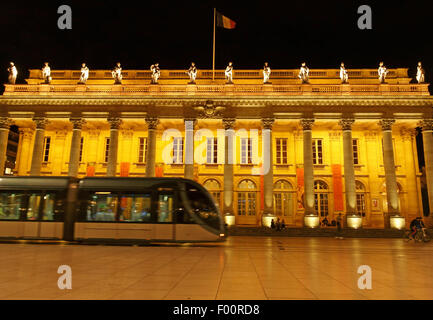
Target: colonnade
[{"x": 307, "y": 125}]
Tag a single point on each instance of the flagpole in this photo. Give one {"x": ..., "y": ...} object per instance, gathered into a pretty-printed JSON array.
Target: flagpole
[{"x": 213, "y": 58}]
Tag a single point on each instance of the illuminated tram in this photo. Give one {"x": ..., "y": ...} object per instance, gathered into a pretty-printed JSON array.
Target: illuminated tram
[{"x": 105, "y": 209}]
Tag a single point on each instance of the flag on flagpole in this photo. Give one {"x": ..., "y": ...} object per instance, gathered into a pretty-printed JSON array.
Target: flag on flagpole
[{"x": 224, "y": 22}]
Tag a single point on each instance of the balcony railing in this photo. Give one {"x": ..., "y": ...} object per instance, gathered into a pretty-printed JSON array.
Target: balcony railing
[{"x": 217, "y": 90}]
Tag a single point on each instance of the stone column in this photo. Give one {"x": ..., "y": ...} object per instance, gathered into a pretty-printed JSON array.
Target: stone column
[
  {"x": 38, "y": 146},
  {"x": 26, "y": 135},
  {"x": 307, "y": 125},
  {"x": 74, "y": 156},
  {"x": 268, "y": 174},
  {"x": 114, "y": 143},
  {"x": 349, "y": 170},
  {"x": 427, "y": 137},
  {"x": 189, "y": 148},
  {"x": 4, "y": 134},
  {"x": 152, "y": 123},
  {"x": 229, "y": 125},
  {"x": 390, "y": 175}
]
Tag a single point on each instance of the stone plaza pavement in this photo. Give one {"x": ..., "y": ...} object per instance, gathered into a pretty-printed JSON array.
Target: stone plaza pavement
[{"x": 241, "y": 268}]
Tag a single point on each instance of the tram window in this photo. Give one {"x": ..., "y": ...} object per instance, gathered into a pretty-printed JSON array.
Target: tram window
[
  {"x": 203, "y": 207},
  {"x": 102, "y": 206},
  {"x": 33, "y": 207},
  {"x": 165, "y": 207},
  {"x": 48, "y": 208},
  {"x": 10, "y": 205},
  {"x": 135, "y": 207}
]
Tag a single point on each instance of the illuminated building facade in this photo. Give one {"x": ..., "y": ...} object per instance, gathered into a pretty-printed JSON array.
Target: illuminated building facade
[{"x": 299, "y": 152}]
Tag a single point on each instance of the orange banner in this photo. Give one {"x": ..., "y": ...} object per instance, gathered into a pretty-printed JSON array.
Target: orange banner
[
  {"x": 338, "y": 187},
  {"x": 124, "y": 169},
  {"x": 90, "y": 171},
  {"x": 300, "y": 187},
  {"x": 262, "y": 192},
  {"x": 159, "y": 171}
]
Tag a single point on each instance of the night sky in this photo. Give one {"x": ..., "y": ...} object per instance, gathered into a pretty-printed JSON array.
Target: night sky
[{"x": 284, "y": 33}]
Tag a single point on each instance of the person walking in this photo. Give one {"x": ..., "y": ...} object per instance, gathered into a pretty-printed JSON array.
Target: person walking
[{"x": 339, "y": 219}]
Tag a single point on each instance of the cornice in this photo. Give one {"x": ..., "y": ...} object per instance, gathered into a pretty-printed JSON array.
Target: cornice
[{"x": 223, "y": 101}]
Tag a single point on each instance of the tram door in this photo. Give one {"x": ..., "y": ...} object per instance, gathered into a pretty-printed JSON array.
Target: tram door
[
  {"x": 166, "y": 203},
  {"x": 40, "y": 217}
]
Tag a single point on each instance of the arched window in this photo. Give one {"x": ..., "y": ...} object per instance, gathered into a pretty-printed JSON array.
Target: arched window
[
  {"x": 247, "y": 195},
  {"x": 214, "y": 188},
  {"x": 284, "y": 196},
  {"x": 360, "y": 198},
  {"x": 321, "y": 198}
]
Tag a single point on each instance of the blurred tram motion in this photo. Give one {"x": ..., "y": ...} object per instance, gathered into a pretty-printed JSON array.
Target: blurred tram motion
[{"x": 122, "y": 209}]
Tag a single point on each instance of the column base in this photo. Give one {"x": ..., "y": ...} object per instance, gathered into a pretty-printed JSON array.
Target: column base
[
  {"x": 354, "y": 221},
  {"x": 311, "y": 221},
  {"x": 229, "y": 219},
  {"x": 397, "y": 222},
  {"x": 267, "y": 219}
]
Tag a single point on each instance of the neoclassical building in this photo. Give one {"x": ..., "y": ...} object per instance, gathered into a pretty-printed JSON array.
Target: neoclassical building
[{"x": 300, "y": 152}]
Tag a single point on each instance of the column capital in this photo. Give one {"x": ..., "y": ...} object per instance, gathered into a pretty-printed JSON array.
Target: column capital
[
  {"x": 5, "y": 123},
  {"x": 188, "y": 123},
  {"x": 408, "y": 134},
  {"x": 115, "y": 122},
  {"x": 267, "y": 123},
  {"x": 152, "y": 123},
  {"x": 41, "y": 122},
  {"x": 346, "y": 124},
  {"x": 26, "y": 132},
  {"x": 426, "y": 124},
  {"x": 386, "y": 124},
  {"x": 229, "y": 123},
  {"x": 77, "y": 123},
  {"x": 307, "y": 124}
]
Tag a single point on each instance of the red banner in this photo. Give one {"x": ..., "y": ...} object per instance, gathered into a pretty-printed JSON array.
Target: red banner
[
  {"x": 159, "y": 171},
  {"x": 338, "y": 187},
  {"x": 90, "y": 171},
  {"x": 124, "y": 169},
  {"x": 262, "y": 193},
  {"x": 300, "y": 187}
]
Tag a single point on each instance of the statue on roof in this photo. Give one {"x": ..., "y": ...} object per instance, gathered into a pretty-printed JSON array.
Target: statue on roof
[
  {"x": 117, "y": 74},
  {"x": 266, "y": 73},
  {"x": 229, "y": 73},
  {"x": 382, "y": 72},
  {"x": 156, "y": 72},
  {"x": 304, "y": 73},
  {"x": 343, "y": 74},
  {"x": 46, "y": 73},
  {"x": 13, "y": 72},
  {"x": 192, "y": 73},
  {"x": 84, "y": 74},
  {"x": 420, "y": 73}
]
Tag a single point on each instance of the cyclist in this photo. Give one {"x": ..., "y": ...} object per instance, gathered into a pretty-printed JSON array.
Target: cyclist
[
  {"x": 416, "y": 225},
  {"x": 413, "y": 228}
]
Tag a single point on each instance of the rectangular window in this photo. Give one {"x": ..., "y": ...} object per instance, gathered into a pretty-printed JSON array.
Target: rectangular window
[
  {"x": 165, "y": 207},
  {"x": 281, "y": 146},
  {"x": 81, "y": 149},
  {"x": 355, "y": 145},
  {"x": 212, "y": 150},
  {"x": 360, "y": 204},
  {"x": 107, "y": 148},
  {"x": 142, "y": 150},
  {"x": 135, "y": 207},
  {"x": 178, "y": 150},
  {"x": 46, "y": 154},
  {"x": 317, "y": 151},
  {"x": 102, "y": 206},
  {"x": 246, "y": 151}
]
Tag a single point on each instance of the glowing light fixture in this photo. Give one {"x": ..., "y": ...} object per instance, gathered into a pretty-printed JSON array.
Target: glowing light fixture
[
  {"x": 229, "y": 219},
  {"x": 397, "y": 222},
  {"x": 267, "y": 219},
  {"x": 311, "y": 221},
  {"x": 354, "y": 222}
]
